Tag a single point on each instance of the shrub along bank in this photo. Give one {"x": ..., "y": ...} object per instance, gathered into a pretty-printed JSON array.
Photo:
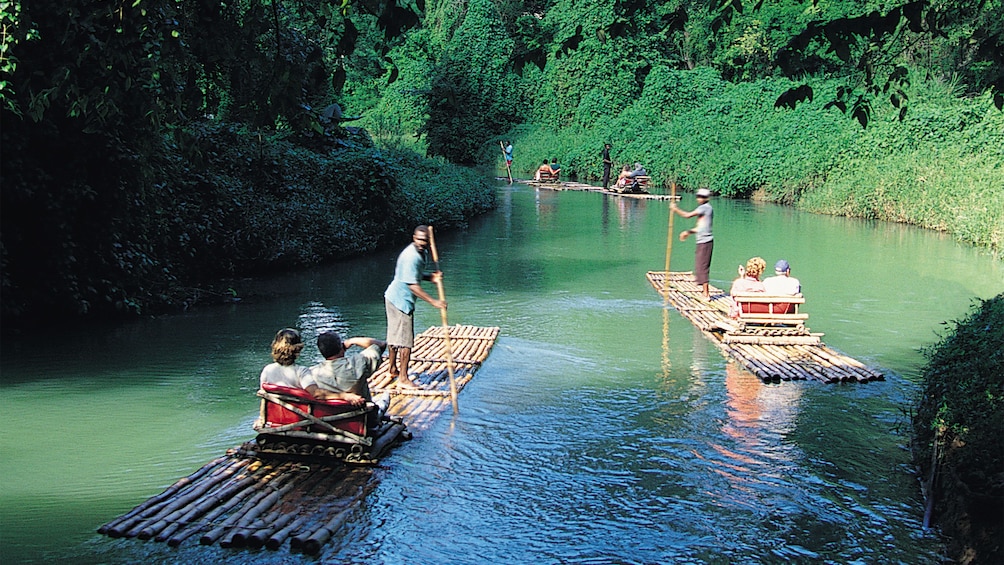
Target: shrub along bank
[
  {"x": 959, "y": 435},
  {"x": 941, "y": 167},
  {"x": 127, "y": 236}
]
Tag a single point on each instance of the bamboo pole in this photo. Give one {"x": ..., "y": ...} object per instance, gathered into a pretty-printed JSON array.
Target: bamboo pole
[
  {"x": 144, "y": 526},
  {"x": 257, "y": 539},
  {"x": 275, "y": 541},
  {"x": 672, "y": 214},
  {"x": 312, "y": 545},
  {"x": 168, "y": 492},
  {"x": 221, "y": 501},
  {"x": 446, "y": 325},
  {"x": 247, "y": 502},
  {"x": 126, "y": 527},
  {"x": 240, "y": 531}
]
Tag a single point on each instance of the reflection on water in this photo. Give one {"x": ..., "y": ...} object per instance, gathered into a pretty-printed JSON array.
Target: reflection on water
[{"x": 603, "y": 428}]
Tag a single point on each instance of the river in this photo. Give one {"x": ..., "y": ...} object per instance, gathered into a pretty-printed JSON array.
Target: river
[{"x": 602, "y": 428}]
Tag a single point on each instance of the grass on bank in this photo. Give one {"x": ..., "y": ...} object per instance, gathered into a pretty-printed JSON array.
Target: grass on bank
[{"x": 941, "y": 168}]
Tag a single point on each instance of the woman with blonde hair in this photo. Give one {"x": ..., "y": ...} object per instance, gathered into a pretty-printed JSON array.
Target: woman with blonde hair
[
  {"x": 749, "y": 278},
  {"x": 286, "y": 347}
]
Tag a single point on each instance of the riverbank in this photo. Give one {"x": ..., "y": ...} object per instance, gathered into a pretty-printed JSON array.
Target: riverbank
[
  {"x": 218, "y": 203},
  {"x": 957, "y": 426},
  {"x": 940, "y": 167}
]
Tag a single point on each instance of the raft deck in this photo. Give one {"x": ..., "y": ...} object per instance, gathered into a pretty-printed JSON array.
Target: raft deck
[
  {"x": 571, "y": 185},
  {"x": 771, "y": 353},
  {"x": 243, "y": 500}
]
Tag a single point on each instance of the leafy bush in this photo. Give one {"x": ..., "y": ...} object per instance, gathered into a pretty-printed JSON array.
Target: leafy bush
[
  {"x": 220, "y": 201},
  {"x": 957, "y": 433}
]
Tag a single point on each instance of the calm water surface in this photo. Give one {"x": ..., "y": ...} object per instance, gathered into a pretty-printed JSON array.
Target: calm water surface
[{"x": 602, "y": 429}]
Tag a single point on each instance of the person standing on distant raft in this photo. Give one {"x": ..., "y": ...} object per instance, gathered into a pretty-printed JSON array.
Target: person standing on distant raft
[
  {"x": 607, "y": 162},
  {"x": 399, "y": 299},
  {"x": 508, "y": 153},
  {"x": 705, "y": 240}
]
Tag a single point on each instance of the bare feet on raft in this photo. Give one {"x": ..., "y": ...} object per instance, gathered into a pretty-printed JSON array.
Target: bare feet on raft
[{"x": 405, "y": 382}]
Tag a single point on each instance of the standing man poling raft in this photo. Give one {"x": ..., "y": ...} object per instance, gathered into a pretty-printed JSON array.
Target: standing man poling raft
[
  {"x": 705, "y": 240},
  {"x": 399, "y": 299},
  {"x": 607, "y": 162}
]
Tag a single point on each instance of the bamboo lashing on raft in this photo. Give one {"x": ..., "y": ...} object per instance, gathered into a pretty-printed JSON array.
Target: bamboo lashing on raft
[{"x": 771, "y": 353}]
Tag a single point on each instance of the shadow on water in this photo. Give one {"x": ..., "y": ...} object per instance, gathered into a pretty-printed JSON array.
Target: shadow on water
[{"x": 603, "y": 428}]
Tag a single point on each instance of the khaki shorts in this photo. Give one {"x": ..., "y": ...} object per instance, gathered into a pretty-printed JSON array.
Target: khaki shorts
[{"x": 400, "y": 327}]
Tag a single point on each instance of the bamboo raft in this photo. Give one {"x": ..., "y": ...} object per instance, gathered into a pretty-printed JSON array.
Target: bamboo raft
[
  {"x": 571, "y": 185},
  {"x": 771, "y": 353},
  {"x": 245, "y": 499}
]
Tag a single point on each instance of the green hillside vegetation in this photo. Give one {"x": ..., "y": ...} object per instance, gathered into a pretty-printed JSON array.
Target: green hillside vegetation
[
  {"x": 707, "y": 106},
  {"x": 942, "y": 167}
]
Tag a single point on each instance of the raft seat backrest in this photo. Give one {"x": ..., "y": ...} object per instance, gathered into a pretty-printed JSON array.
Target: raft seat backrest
[
  {"x": 546, "y": 176},
  {"x": 276, "y": 415},
  {"x": 771, "y": 309}
]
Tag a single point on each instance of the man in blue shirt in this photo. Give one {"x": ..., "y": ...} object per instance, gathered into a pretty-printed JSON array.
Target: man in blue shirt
[{"x": 399, "y": 299}]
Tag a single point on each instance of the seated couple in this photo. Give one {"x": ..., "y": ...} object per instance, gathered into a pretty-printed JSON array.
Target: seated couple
[
  {"x": 340, "y": 376},
  {"x": 781, "y": 284},
  {"x": 548, "y": 170},
  {"x": 627, "y": 174}
]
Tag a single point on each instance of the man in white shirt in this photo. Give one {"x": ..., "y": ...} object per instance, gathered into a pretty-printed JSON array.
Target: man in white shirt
[{"x": 782, "y": 283}]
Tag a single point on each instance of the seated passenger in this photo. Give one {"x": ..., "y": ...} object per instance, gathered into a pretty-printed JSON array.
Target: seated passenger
[
  {"x": 342, "y": 376},
  {"x": 749, "y": 278},
  {"x": 782, "y": 283},
  {"x": 286, "y": 347},
  {"x": 747, "y": 283},
  {"x": 555, "y": 167},
  {"x": 638, "y": 171},
  {"x": 624, "y": 177},
  {"x": 544, "y": 168}
]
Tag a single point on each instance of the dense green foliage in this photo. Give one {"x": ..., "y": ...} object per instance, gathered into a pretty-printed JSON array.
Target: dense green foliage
[
  {"x": 150, "y": 148},
  {"x": 90, "y": 239},
  {"x": 765, "y": 102},
  {"x": 941, "y": 167},
  {"x": 958, "y": 429}
]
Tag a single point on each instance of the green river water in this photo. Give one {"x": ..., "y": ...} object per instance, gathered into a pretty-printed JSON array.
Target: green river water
[{"x": 602, "y": 428}]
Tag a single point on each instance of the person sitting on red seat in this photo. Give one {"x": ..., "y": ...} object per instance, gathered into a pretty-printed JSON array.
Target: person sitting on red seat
[
  {"x": 782, "y": 283},
  {"x": 544, "y": 169},
  {"x": 344, "y": 376},
  {"x": 747, "y": 283},
  {"x": 286, "y": 347}
]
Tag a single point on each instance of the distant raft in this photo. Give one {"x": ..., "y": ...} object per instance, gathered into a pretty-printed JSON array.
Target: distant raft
[
  {"x": 254, "y": 499},
  {"x": 572, "y": 185},
  {"x": 770, "y": 338}
]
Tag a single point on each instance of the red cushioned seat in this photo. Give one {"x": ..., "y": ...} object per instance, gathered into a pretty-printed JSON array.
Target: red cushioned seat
[
  {"x": 763, "y": 308},
  {"x": 276, "y": 415}
]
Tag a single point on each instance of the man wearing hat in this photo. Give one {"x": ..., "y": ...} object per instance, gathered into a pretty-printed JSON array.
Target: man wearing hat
[
  {"x": 782, "y": 283},
  {"x": 705, "y": 240}
]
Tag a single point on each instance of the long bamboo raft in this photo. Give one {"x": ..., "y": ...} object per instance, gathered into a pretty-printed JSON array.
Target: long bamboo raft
[
  {"x": 772, "y": 354},
  {"x": 571, "y": 185},
  {"x": 243, "y": 499}
]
